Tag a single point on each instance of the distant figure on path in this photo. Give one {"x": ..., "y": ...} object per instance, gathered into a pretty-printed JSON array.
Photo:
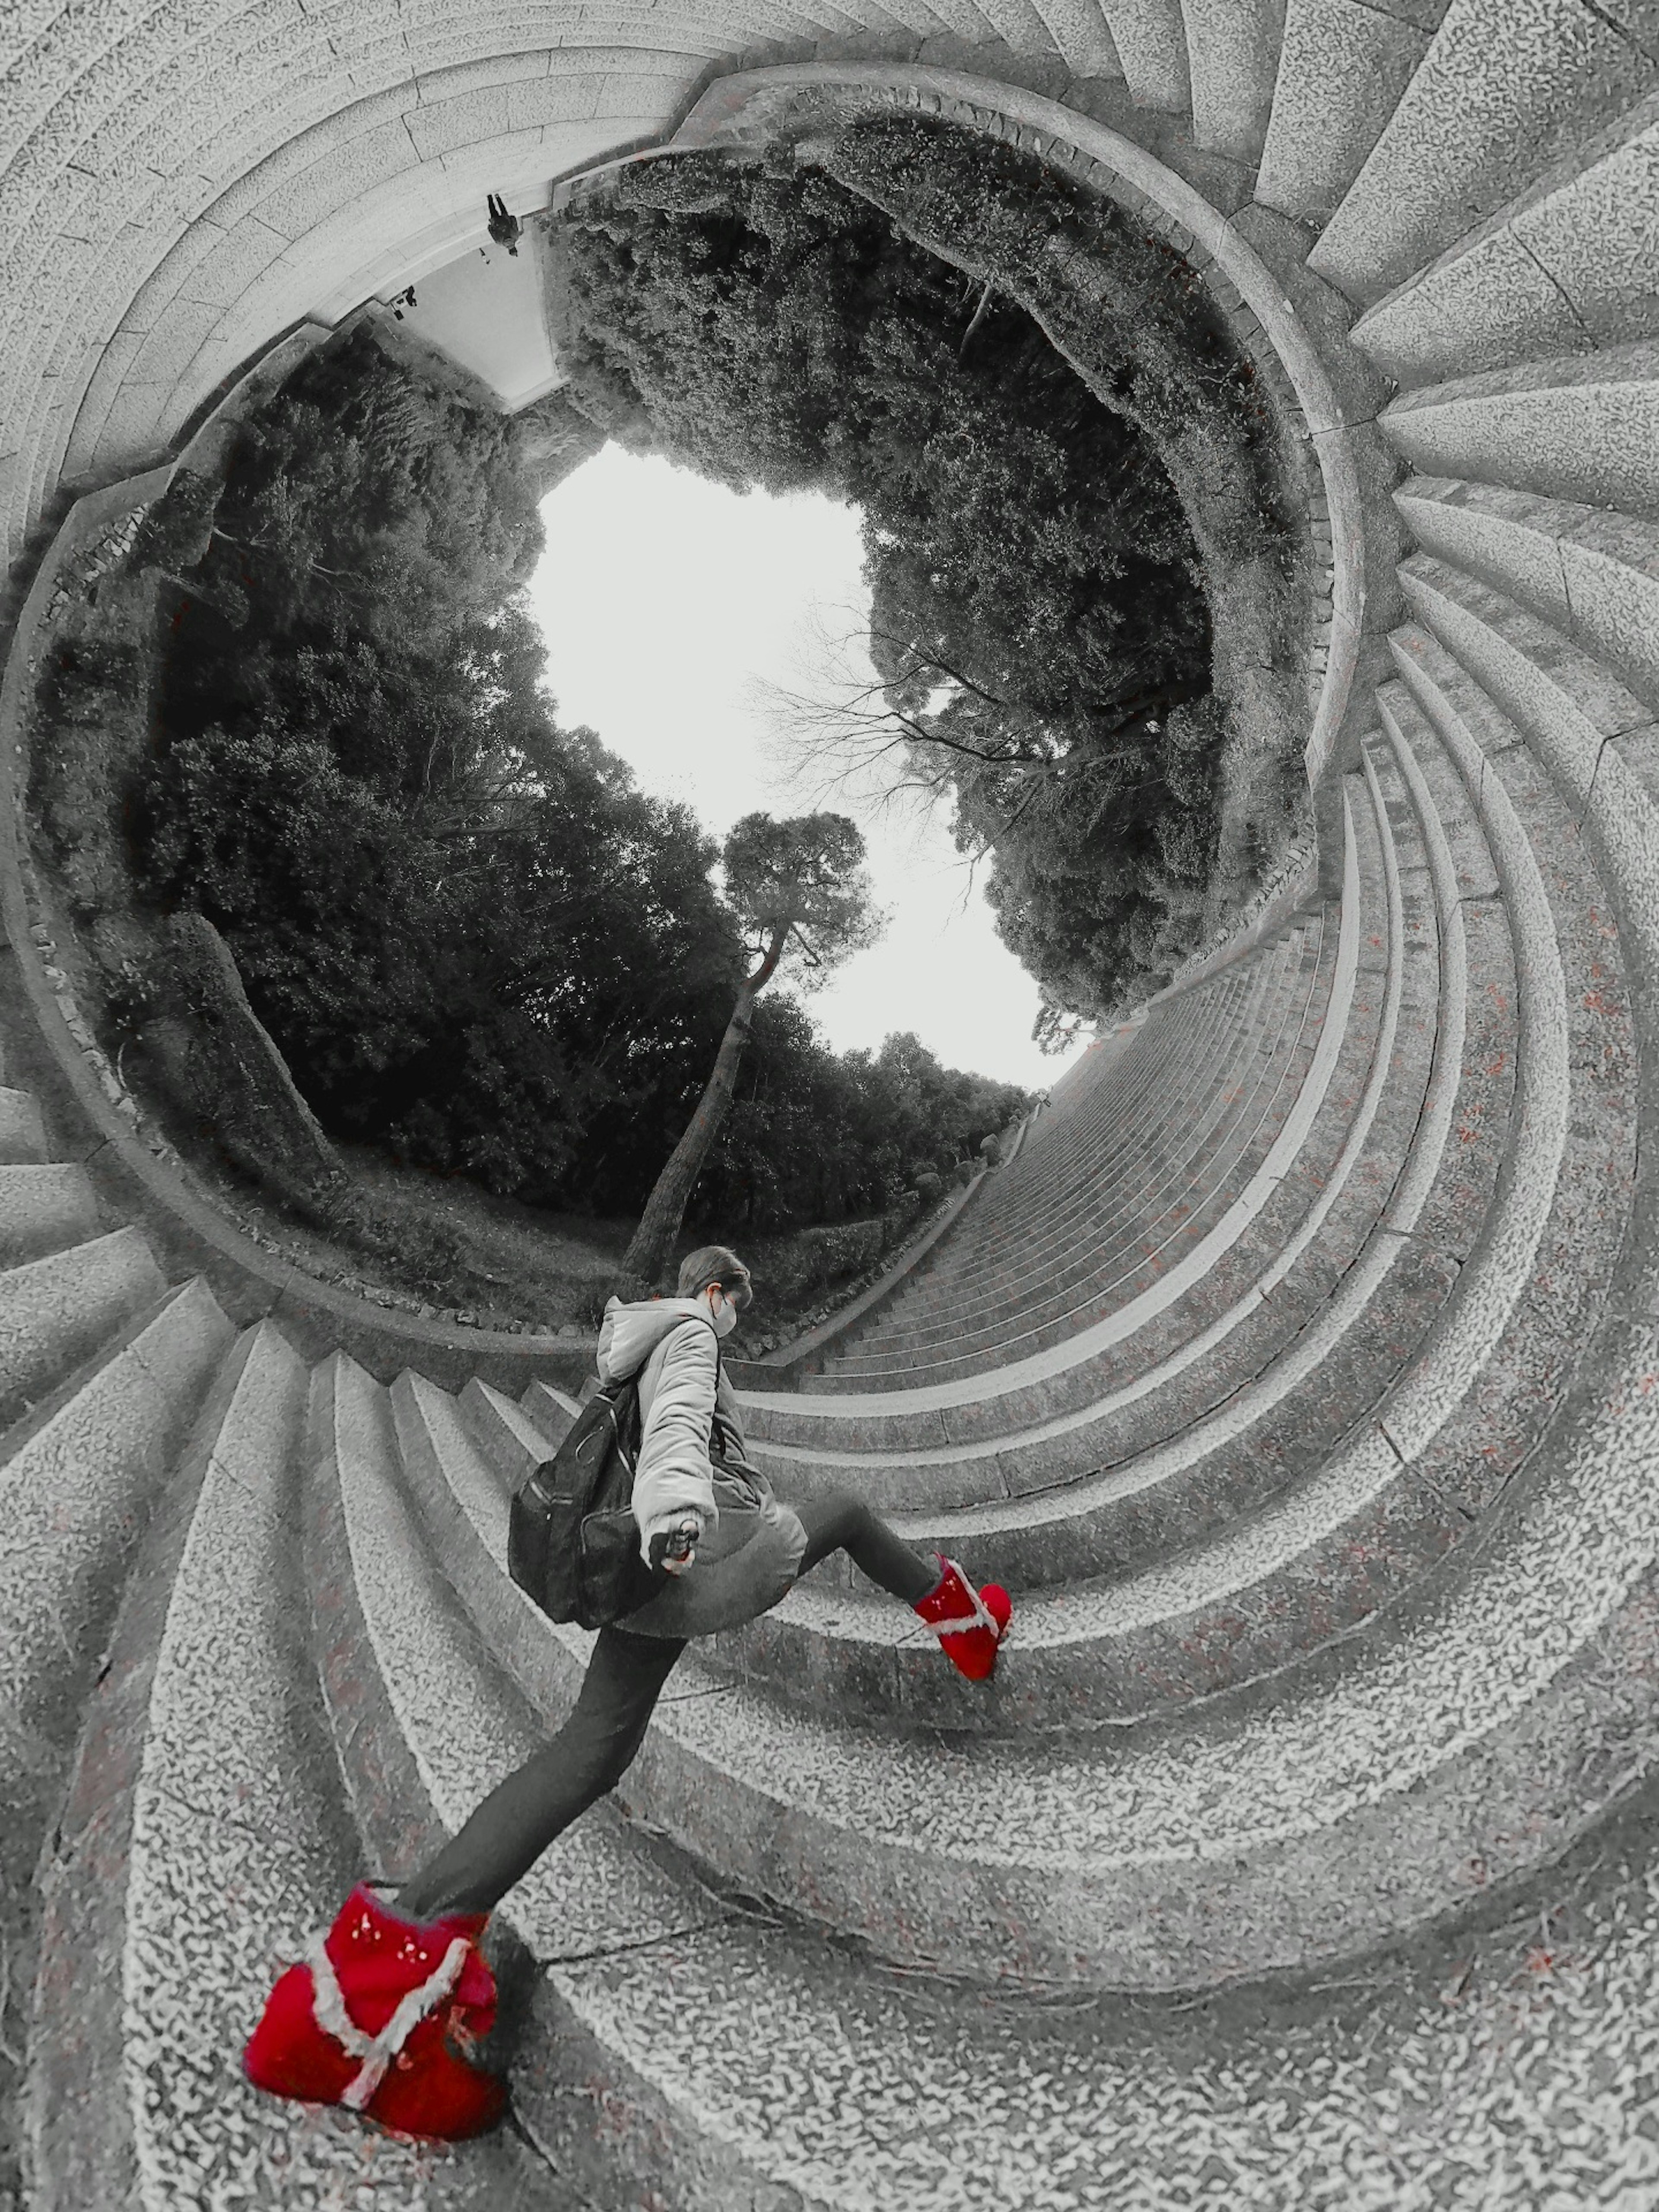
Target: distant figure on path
[
  {"x": 383, "y": 2013},
  {"x": 503, "y": 226}
]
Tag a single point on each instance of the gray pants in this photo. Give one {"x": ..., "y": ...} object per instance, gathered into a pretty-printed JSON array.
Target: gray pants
[{"x": 597, "y": 1743}]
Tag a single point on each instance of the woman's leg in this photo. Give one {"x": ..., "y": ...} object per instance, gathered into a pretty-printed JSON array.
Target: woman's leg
[
  {"x": 590, "y": 1754},
  {"x": 843, "y": 1522}
]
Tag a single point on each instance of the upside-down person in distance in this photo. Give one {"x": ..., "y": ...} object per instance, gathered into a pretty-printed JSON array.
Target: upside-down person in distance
[{"x": 383, "y": 2011}]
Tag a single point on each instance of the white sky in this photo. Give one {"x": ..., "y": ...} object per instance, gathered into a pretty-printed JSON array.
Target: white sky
[{"x": 663, "y": 598}]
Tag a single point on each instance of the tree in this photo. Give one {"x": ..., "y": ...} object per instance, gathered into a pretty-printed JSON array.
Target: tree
[
  {"x": 477, "y": 943},
  {"x": 800, "y": 891},
  {"x": 1038, "y": 620}
]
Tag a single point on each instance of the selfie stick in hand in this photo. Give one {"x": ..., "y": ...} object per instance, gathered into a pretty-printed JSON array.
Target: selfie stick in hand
[{"x": 671, "y": 1549}]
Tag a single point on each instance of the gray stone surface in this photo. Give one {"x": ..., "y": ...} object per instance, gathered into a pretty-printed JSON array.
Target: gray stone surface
[
  {"x": 1232, "y": 58},
  {"x": 1507, "y": 2074},
  {"x": 1506, "y": 87},
  {"x": 1174, "y": 1168},
  {"x": 1048, "y": 1380},
  {"x": 1565, "y": 268},
  {"x": 1584, "y": 428},
  {"x": 206, "y": 1840},
  {"x": 1591, "y": 574},
  {"x": 1460, "y": 1144},
  {"x": 506, "y": 1432},
  {"x": 43, "y": 1209},
  {"x": 56, "y": 1311},
  {"x": 78, "y": 1478},
  {"x": 22, "y": 1139},
  {"x": 1151, "y": 38},
  {"x": 552, "y": 1411},
  {"x": 1570, "y": 709},
  {"x": 1342, "y": 68}
]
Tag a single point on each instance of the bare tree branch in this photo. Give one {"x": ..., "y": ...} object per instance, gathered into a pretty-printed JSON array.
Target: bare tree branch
[{"x": 980, "y": 314}]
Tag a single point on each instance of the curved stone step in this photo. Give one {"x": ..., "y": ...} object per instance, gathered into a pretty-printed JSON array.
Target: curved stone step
[
  {"x": 550, "y": 1409},
  {"x": 1059, "y": 1381},
  {"x": 1591, "y": 574},
  {"x": 1564, "y": 269},
  {"x": 1455, "y": 1157},
  {"x": 1031, "y": 1209},
  {"x": 77, "y": 1491},
  {"x": 204, "y": 1840},
  {"x": 56, "y": 1310},
  {"x": 1297, "y": 1821},
  {"x": 1588, "y": 1088},
  {"x": 1232, "y": 61},
  {"x": 1185, "y": 1048},
  {"x": 1522, "y": 89},
  {"x": 958, "y": 1342},
  {"x": 1188, "y": 1055},
  {"x": 1594, "y": 737},
  {"x": 1394, "y": 2087},
  {"x": 77, "y": 1481},
  {"x": 1080, "y": 33},
  {"x": 514, "y": 1441},
  {"x": 1165, "y": 1048},
  {"x": 43, "y": 1209},
  {"x": 1583, "y": 429},
  {"x": 1121, "y": 1227},
  {"x": 1313, "y": 1182},
  {"x": 1341, "y": 72},
  {"x": 1151, "y": 40},
  {"x": 23, "y": 1136}
]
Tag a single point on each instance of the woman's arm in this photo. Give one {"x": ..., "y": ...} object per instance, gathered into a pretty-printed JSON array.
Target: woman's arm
[{"x": 672, "y": 1479}]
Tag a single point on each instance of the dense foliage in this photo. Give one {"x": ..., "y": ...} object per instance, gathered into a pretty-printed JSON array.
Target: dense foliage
[
  {"x": 1037, "y": 622},
  {"x": 473, "y": 938}
]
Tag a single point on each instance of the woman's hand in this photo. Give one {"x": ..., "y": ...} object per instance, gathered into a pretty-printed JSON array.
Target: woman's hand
[{"x": 673, "y": 1549}]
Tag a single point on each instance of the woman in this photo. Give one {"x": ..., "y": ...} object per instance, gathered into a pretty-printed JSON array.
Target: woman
[{"x": 382, "y": 2012}]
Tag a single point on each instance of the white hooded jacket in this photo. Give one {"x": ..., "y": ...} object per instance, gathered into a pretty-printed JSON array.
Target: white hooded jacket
[{"x": 672, "y": 1479}]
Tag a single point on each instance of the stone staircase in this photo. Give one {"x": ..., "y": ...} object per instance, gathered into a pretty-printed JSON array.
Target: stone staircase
[{"x": 1297, "y": 1374}]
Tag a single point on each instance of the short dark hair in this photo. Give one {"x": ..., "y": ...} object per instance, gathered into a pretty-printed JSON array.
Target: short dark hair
[{"x": 714, "y": 1263}]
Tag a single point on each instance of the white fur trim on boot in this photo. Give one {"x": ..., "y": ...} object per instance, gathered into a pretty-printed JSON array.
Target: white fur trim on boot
[
  {"x": 981, "y": 1617},
  {"x": 376, "y": 2051}
]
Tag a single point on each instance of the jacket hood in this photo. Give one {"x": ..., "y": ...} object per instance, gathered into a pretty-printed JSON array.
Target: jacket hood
[{"x": 629, "y": 1333}]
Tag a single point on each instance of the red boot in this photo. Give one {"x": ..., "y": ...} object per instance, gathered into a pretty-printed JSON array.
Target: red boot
[
  {"x": 366, "y": 2021},
  {"x": 969, "y": 1624}
]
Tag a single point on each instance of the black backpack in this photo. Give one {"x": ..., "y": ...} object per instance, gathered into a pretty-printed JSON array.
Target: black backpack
[{"x": 573, "y": 1544}]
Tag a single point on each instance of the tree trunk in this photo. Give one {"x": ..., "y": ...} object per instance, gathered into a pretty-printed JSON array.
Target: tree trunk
[{"x": 659, "y": 1225}]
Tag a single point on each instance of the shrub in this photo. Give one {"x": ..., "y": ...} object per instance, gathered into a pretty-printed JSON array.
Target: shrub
[
  {"x": 795, "y": 1271},
  {"x": 899, "y": 1217},
  {"x": 632, "y": 1290}
]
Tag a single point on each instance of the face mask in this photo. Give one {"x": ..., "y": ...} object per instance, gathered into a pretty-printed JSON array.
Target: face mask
[{"x": 724, "y": 1315}]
